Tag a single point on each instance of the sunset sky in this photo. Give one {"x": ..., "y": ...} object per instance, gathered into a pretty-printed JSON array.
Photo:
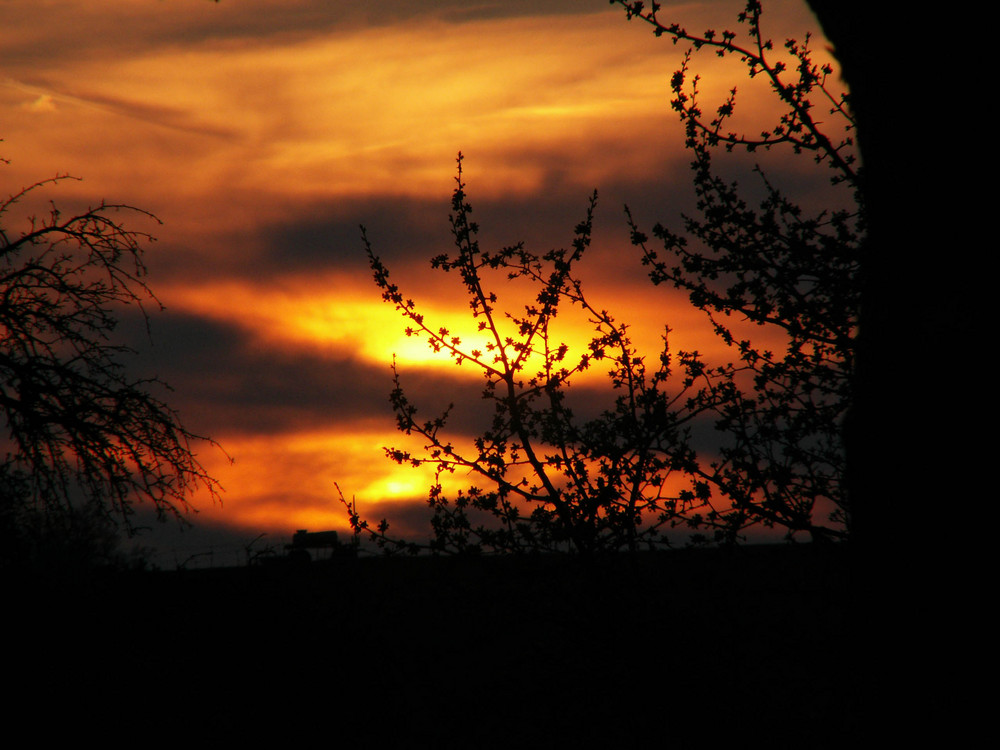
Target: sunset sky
[{"x": 264, "y": 132}]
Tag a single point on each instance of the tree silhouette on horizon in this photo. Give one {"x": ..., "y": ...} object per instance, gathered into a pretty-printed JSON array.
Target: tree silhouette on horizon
[
  {"x": 780, "y": 414},
  {"x": 83, "y": 442}
]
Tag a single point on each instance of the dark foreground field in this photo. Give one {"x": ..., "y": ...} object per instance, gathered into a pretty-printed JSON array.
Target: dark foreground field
[{"x": 685, "y": 646}]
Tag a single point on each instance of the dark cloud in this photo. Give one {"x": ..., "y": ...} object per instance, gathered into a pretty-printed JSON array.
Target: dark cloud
[
  {"x": 318, "y": 236},
  {"x": 313, "y": 236},
  {"x": 38, "y": 34},
  {"x": 225, "y": 380},
  {"x": 325, "y": 235},
  {"x": 323, "y": 15},
  {"x": 322, "y": 236}
]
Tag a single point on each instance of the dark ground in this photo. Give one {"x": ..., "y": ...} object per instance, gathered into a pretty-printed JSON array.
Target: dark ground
[{"x": 690, "y": 646}]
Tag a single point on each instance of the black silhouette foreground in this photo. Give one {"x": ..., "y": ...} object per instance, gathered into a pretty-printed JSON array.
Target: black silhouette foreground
[{"x": 695, "y": 647}]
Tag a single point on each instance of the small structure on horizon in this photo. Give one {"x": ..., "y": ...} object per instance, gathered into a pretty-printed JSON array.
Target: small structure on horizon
[{"x": 306, "y": 543}]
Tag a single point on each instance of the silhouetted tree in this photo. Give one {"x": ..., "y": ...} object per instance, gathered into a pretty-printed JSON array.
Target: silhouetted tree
[
  {"x": 776, "y": 266},
  {"x": 549, "y": 480},
  {"x": 82, "y": 439},
  {"x": 779, "y": 414}
]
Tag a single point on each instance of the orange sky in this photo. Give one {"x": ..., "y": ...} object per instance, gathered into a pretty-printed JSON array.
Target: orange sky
[{"x": 264, "y": 132}]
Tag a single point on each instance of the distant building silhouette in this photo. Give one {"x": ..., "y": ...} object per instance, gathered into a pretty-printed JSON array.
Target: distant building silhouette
[{"x": 305, "y": 544}]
